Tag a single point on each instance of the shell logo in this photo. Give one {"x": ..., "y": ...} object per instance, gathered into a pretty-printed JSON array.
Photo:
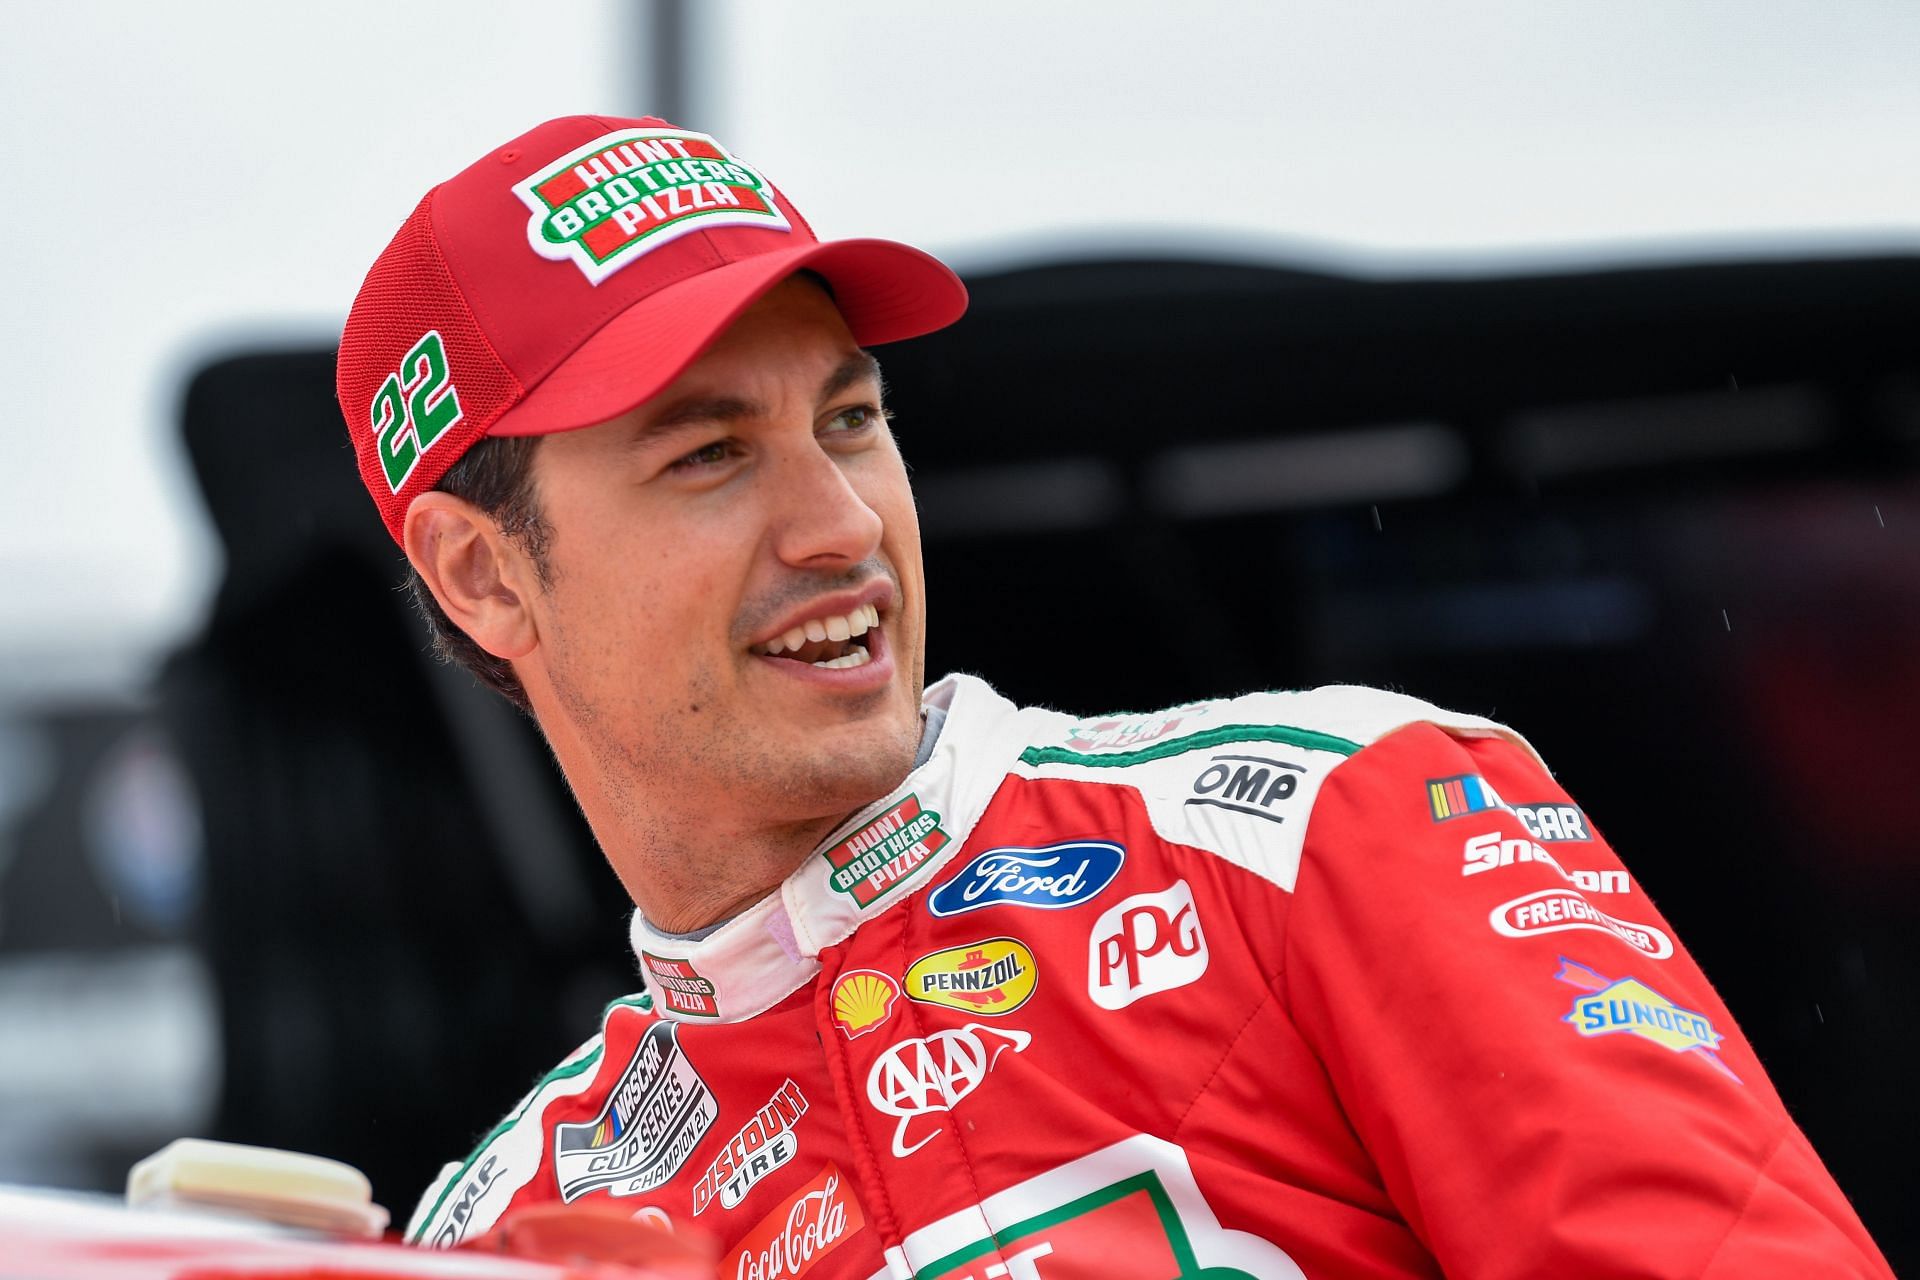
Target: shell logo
[{"x": 862, "y": 1000}]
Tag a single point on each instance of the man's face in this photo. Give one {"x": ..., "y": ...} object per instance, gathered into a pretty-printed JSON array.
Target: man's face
[{"x": 756, "y": 504}]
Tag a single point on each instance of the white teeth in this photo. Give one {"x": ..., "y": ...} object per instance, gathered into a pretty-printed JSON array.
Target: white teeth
[
  {"x": 858, "y": 658},
  {"x": 836, "y": 627}
]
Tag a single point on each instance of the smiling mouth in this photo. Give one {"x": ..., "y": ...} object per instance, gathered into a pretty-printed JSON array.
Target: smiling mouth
[{"x": 832, "y": 641}]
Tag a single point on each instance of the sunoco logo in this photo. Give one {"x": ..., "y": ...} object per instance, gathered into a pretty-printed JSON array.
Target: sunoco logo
[
  {"x": 653, "y": 1120},
  {"x": 1629, "y": 1006},
  {"x": 608, "y": 203},
  {"x": 874, "y": 860},
  {"x": 922, "y": 1076},
  {"x": 995, "y": 976}
]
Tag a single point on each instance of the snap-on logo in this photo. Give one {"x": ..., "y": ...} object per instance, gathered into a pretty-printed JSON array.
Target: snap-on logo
[{"x": 1051, "y": 878}]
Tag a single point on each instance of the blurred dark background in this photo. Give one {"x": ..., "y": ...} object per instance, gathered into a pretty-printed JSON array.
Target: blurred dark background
[{"x": 330, "y": 896}]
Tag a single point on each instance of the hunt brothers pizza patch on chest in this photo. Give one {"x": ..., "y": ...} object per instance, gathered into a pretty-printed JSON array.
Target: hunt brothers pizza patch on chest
[{"x": 608, "y": 203}]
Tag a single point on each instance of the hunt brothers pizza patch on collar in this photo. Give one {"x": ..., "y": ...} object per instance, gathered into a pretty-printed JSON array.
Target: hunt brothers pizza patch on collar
[
  {"x": 681, "y": 989},
  {"x": 880, "y": 856},
  {"x": 610, "y": 202}
]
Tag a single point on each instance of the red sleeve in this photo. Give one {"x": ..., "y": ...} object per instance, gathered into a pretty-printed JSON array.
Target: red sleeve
[{"x": 1548, "y": 1083}]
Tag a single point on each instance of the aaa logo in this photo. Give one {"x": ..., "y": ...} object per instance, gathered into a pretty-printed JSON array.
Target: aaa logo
[
  {"x": 919, "y": 1076},
  {"x": 608, "y": 203}
]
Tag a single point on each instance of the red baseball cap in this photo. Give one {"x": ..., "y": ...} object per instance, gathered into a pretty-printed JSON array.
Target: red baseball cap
[{"x": 571, "y": 275}]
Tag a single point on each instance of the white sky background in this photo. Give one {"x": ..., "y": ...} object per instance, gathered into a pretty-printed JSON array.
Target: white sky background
[{"x": 184, "y": 179}]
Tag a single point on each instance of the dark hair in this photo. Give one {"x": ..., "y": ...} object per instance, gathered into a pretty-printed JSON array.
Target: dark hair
[{"x": 495, "y": 475}]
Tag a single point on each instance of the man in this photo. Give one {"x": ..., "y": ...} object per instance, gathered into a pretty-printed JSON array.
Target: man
[{"x": 1328, "y": 984}]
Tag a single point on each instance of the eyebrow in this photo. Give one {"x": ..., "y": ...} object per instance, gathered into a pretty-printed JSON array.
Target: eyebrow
[{"x": 704, "y": 410}]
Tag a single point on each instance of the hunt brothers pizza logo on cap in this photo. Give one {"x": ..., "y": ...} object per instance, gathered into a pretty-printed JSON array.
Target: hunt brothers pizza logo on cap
[{"x": 610, "y": 202}]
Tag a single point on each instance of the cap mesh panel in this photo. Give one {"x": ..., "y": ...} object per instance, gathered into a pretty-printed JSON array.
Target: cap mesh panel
[{"x": 407, "y": 294}]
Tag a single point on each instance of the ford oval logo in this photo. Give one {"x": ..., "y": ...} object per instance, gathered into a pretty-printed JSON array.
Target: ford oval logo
[{"x": 1060, "y": 875}]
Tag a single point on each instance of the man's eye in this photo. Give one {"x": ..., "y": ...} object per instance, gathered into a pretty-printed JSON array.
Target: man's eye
[
  {"x": 704, "y": 456},
  {"x": 855, "y": 418}
]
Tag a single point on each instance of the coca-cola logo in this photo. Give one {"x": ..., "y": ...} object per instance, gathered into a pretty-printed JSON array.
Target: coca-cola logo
[
  {"x": 931, "y": 1074},
  {"x": 800, "y": 1230}
]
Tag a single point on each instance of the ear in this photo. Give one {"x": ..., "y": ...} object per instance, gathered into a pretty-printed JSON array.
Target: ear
[{"x": 481, "y": 578}]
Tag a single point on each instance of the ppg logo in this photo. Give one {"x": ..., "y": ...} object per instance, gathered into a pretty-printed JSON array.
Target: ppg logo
[{"x": 1151, "y": 942}]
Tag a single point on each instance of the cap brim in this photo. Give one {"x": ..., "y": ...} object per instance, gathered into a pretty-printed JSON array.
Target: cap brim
[{"x": 885, "y": 292}]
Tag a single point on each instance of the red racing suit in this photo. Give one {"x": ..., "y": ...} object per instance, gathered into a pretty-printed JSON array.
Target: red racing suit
[{"x": 1321, "y": 984}]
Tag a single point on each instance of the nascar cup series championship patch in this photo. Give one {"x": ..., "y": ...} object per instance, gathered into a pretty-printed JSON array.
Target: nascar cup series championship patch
[{"x": 608, "y": 203}]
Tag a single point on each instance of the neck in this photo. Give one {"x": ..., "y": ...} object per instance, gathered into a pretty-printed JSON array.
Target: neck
[{"x": 687, "y": 875}]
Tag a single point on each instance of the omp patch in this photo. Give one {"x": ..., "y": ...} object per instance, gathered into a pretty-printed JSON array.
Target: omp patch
[
  {"x": 1562, "y": 910},
  {"x": 681, "y": 989},
  {"x": 1628, "y": 1006},
  {"x": 926, "y": 1075},
  {"x": 653, "y": 1119},
  {"x": 604, "y": 205},
  {"x": 994, "y": 976},
  {"x": 1253, "y": 785},
  {"x": 863, "y": 1000},
  {"x": 1146, "y": 944},
  {"x": 876, "y": 859},
  {"x": 764, "y": 1143},
  {"x": 799, "y": 1231},
  {"x": 473, "y": 1189},
  {"x": 1053, "y": 877}
]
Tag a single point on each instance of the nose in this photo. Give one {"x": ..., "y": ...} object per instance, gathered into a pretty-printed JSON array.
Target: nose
[{"x": 824, "y": 522}]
